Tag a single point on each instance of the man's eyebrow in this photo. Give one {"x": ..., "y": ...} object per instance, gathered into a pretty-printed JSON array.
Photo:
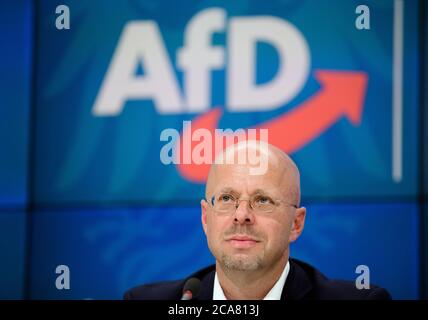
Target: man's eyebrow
[
  {"x": 228, "y": 190},
  {"x": 261, "y": 192},
  {"x": 255, "y": 192}
]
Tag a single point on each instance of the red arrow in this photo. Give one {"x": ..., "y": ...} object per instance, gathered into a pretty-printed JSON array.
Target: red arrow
[{"x": 342, "y": 93}]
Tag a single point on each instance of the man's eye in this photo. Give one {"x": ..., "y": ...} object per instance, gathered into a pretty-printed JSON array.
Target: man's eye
[
  {"x": 226, "y": 198},
  {"x": 263, "y": 200}
]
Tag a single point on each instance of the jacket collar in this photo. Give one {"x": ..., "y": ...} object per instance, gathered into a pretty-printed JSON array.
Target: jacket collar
[{"x": 296, "y": 287}]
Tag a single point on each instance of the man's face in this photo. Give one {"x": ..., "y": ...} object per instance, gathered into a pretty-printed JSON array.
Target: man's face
[{"x": 246, "y": 239}]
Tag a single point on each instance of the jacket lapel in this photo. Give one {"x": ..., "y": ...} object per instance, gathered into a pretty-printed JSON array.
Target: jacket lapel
[
  {"x": 297, "y": 286},
  {"x": 207, "y": 287}
]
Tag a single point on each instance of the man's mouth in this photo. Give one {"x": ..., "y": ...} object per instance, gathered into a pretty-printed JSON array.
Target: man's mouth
[{"x": 242, "y": 241}]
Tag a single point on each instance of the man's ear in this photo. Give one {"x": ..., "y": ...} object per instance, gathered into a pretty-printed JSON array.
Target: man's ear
[
  {"x": 204, "y": 208},
  {"x": 298, "y": 224}
]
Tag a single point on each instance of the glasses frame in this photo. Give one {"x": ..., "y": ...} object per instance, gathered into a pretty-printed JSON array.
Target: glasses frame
[{"x": 238, "y": 202}]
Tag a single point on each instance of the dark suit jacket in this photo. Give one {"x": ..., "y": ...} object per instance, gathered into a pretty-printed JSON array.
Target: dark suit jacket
[{"x": 303, "y": 282}]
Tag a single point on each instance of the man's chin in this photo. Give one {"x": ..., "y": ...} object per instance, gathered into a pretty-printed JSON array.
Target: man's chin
[{"x": 241, "y": 262}]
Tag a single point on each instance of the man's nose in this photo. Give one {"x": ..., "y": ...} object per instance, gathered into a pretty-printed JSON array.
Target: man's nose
[{"x": 244, "y": 214}]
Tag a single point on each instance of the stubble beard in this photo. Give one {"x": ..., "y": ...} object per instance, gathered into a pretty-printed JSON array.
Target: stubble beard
[{"x": 241, "y": 262}]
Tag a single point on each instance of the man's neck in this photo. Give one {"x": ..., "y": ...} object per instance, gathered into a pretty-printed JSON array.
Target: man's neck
[{"x": 249, "y": 285}]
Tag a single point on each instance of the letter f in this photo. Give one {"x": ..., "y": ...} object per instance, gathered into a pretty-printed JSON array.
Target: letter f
[{"x": 197, "y": 57}]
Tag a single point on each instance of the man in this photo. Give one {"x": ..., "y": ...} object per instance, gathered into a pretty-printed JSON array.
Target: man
[{"x": 249, "y": 220}]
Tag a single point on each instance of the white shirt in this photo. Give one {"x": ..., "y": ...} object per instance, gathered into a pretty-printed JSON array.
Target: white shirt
[{"x": 273, "y": 294}]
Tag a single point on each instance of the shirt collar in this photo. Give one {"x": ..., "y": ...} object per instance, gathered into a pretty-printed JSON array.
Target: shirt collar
[{"x": 273, "y": 294}]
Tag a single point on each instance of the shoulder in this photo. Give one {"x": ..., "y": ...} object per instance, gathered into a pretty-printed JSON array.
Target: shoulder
[
  {"x": 167, "y": 290},
  {"x": 170, "y": 290},
  {"x": 323, "y": 288}
]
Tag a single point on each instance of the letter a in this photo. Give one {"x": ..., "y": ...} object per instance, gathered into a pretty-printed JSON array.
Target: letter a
[{"x": 363, "y": 20}]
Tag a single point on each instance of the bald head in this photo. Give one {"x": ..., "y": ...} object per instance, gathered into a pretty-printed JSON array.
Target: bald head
[{"x": 236, "y": 165}]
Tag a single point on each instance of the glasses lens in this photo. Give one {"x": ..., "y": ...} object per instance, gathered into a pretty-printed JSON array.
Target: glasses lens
[
  {"x": 262, "y": 203},
  {"x": 224, "y": 202}
]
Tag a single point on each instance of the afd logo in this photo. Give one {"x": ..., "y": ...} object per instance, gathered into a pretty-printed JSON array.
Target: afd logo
[
  {"x": 341, "y": 94},
  {"x": 141, "y": 42}
]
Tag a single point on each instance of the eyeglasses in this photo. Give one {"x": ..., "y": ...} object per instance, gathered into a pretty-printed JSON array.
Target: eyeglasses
[{"x": 228, "y": 203}]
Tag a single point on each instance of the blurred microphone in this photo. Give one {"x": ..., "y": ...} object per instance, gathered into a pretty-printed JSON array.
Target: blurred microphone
[{"x": 191, "y": 289}]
